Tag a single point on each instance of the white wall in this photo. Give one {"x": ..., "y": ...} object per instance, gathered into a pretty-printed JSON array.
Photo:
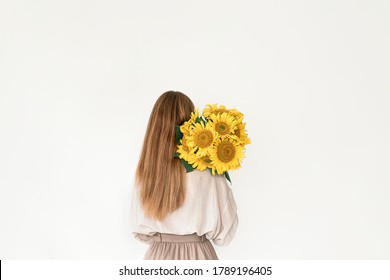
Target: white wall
[{"x": 78, "y": 80}]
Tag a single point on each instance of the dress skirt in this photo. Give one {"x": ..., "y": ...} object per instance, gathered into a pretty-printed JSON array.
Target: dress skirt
[{"x": 180, "y": 247}]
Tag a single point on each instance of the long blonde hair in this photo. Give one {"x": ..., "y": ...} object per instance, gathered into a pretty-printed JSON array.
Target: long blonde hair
[{"x": 160, "y": 176}]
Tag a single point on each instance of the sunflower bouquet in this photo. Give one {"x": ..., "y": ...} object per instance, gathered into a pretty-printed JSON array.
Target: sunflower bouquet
[{"x": 214, "y": 140}]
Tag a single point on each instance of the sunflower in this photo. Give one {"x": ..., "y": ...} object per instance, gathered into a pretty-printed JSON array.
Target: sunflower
[
  {"x": 236, "y": 114},
  {"x": 214, "y": 109},
  {"x": 241, "y": 134},
  {"x": 226, "y": 155},
  {"x": 201, "y": 163},
  {"x": 201, "y": 138},
  {"x": 184, "y": 150},
  {"x": 223, "y": 123},
  {"x": 187, "y": 126}
]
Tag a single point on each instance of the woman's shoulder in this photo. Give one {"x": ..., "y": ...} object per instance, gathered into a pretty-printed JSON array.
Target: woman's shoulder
[
  {"x": 206, "y": 178},
  {"x": 211, "y": 188},
  {"x": 205, "y": 174}
]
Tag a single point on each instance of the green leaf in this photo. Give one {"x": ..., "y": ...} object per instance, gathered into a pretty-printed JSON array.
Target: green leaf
[
  {"x": 200, "y": 119},
  {"x": 179, "y": 134},
  {"x": 225, "y": 173},
  {"x": 187, "y": 166},
  {"x": 227, "y": 176}
]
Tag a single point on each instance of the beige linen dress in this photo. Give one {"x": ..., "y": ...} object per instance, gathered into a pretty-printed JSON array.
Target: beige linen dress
[{"x": 209, "y": 212}]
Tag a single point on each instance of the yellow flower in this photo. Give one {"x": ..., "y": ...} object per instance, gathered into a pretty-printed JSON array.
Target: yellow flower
[
  {"x": 223, "y": 123},
  {"x": 187, "y": 126},
  {"x": 214, "y": 109},
  {"x": 236, "y": 114},
  {"x": 241, "y": 134},
  {"x": 201, "y": 163},
  {"x": 184, "y": 150},
  {"x": 226, "y": 155},
  {"x": 201, "y": 138}
]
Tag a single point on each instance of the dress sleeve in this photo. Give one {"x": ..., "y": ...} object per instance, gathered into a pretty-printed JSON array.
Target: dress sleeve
[
  {"x": 139, "y": 231},
  {"x": 228, "y": 218}
]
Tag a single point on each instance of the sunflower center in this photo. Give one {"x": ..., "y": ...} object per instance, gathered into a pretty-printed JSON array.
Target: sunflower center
[
  {"x": 226, "y": 151},
  {"x": 204, "y": 139},
  {"x": 222, "y": 128},
  {"x": 206, "y": 160}
]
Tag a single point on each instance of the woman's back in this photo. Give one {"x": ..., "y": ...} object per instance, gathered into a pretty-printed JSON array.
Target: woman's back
[{"x": 209, "y": 209}]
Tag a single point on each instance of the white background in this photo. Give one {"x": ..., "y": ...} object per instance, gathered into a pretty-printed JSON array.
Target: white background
[{"x": 78, "y": 79}]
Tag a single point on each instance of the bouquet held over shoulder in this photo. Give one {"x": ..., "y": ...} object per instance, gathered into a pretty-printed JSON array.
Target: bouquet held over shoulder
[{"x": 214, "y": 140}]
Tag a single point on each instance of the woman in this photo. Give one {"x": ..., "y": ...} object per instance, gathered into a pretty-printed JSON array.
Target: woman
[{"x": 178, "y": 213}]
